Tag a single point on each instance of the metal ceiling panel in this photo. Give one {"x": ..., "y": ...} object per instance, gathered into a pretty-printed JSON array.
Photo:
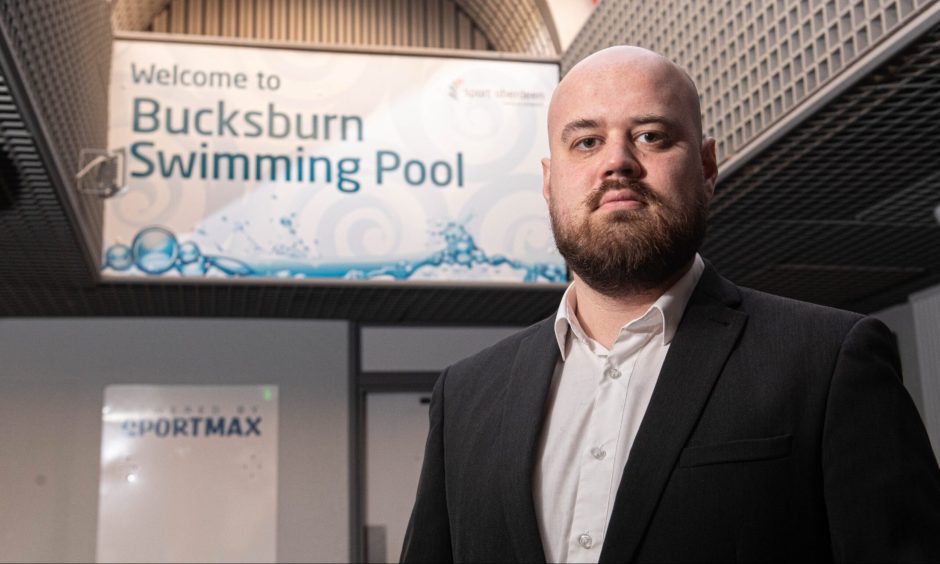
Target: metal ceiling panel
[
  {"x": 851, "y": 190},
  {"x": 839, "y": 210}
]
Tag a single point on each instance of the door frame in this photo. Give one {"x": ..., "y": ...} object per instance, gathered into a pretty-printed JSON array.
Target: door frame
[{"x": 362, "y": 383}]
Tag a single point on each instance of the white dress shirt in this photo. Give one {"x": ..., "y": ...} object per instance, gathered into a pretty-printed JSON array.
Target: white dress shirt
[{"x": 596, "y": 403}]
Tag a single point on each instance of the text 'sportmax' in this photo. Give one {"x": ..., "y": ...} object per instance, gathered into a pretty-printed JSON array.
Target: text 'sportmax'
[{"x": 163, "y": 427}]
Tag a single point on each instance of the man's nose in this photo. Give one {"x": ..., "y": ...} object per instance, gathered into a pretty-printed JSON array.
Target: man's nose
[{"x": 621, "y": 162}]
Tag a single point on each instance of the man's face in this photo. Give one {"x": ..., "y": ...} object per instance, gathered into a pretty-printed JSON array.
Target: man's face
[{"x": 629, "y": 178}]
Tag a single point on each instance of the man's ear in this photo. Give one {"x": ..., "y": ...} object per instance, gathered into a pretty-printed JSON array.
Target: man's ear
[
  {"x": 546, "y": 177},
  {"x": 709, "y": 166}
]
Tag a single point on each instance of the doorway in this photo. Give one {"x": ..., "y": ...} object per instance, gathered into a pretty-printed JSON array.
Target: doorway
[{"x": 396, "y": 426}]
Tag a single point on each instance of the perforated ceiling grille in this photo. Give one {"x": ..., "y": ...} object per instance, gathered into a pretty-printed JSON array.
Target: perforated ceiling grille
[
  {"x": 753, "y": 60},
  {"x": 135, "y": 15},
  {"x": 375, "y": 304},
  {"x": 53, "y": 83},
  {"x": 814, "y": 282},
  {"x": 853, "y": 189}
]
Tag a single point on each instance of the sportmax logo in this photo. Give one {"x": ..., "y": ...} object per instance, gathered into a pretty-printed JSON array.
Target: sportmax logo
[{"x": 193, "y": 427}]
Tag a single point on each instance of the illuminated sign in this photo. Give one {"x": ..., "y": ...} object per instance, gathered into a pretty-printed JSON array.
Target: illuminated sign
[{"x": 299, "y": 165}]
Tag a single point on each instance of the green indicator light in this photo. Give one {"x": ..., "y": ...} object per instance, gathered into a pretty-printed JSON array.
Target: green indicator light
[{"x": 267, "y": 394}]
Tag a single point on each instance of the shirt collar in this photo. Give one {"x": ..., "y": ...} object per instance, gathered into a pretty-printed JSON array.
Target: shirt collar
[{"x": 668, "y": 309}]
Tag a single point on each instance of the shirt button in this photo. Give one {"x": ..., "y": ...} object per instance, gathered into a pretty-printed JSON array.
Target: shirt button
[
  {"x": 585, "y": 541},
  {"x": 598, "y": 453},
  {"x": 612, "y": 373}
]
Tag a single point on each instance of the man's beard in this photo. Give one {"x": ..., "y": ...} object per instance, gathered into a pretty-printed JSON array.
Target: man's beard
[{"x": 629, "y": 251}]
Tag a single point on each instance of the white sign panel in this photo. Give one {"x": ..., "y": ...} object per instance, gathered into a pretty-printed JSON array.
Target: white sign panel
[
  {"x": 188, "y": 474},
  {"x": 290, "y": 164}
]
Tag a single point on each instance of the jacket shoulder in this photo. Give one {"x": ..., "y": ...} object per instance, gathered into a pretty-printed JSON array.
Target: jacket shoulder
[
  {"x": 778, "y": 321},
  {"x": 755, "y": 302},
  {"x": 774, "y": 311}
]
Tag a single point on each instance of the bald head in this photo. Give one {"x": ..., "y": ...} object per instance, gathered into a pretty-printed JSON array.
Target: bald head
[
  {"x": 626, "y": 67},
  {"x": 630, "y": 176}
]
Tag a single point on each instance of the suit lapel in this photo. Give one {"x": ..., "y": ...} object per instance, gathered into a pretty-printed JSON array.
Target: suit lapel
[
  {"x": 523, "y": 415},
  {"x": 702, "y": 343}
]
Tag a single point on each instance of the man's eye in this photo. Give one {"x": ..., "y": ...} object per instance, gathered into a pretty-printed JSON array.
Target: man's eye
[
  {"x": 652, "y": 137},
  {"x": 587, "y": 143}
]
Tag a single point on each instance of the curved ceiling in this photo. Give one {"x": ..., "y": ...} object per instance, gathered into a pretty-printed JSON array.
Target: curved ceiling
[{"x": 515, "y": 27}]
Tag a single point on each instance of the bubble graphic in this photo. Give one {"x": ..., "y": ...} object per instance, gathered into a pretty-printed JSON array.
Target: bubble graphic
[
  {"x": 189, "y": 252},
  {"x": 119, "y": 257},
  {"x": 155, "y": 250},
  {"x": 197, "y": 267}
]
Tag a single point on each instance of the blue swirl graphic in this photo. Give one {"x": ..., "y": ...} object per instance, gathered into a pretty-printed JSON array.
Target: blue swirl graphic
[{"x": 156, "y": 251}]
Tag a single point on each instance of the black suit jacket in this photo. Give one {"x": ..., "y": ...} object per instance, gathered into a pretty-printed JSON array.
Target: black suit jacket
[{"x": 778, "y": 430}]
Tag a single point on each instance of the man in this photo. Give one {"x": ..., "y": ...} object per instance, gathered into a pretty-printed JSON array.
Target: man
[{"x": 665, "y": 414}]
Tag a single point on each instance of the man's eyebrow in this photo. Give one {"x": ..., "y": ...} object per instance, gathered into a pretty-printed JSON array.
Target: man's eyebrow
[
  {"x": 656, "y": 118},
  {"x": 576, "y": 125},
  {"x": 572, "y": 126}
]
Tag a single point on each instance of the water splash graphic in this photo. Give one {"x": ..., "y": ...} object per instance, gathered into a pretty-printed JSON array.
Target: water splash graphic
[
  {"x": 156, "y": 251},
  {"x": 297, "y": 248}
]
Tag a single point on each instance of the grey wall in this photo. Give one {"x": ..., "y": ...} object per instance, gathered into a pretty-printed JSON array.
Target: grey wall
[
  {"x": 900, "y": 319},
  {"x": 917, "y": 325},
  {"x": 925, "y": 306},
  {"x": 391, "y": 349},
  {"x": 396, "y": 424},
  {"x": 53, "y": 372}
]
